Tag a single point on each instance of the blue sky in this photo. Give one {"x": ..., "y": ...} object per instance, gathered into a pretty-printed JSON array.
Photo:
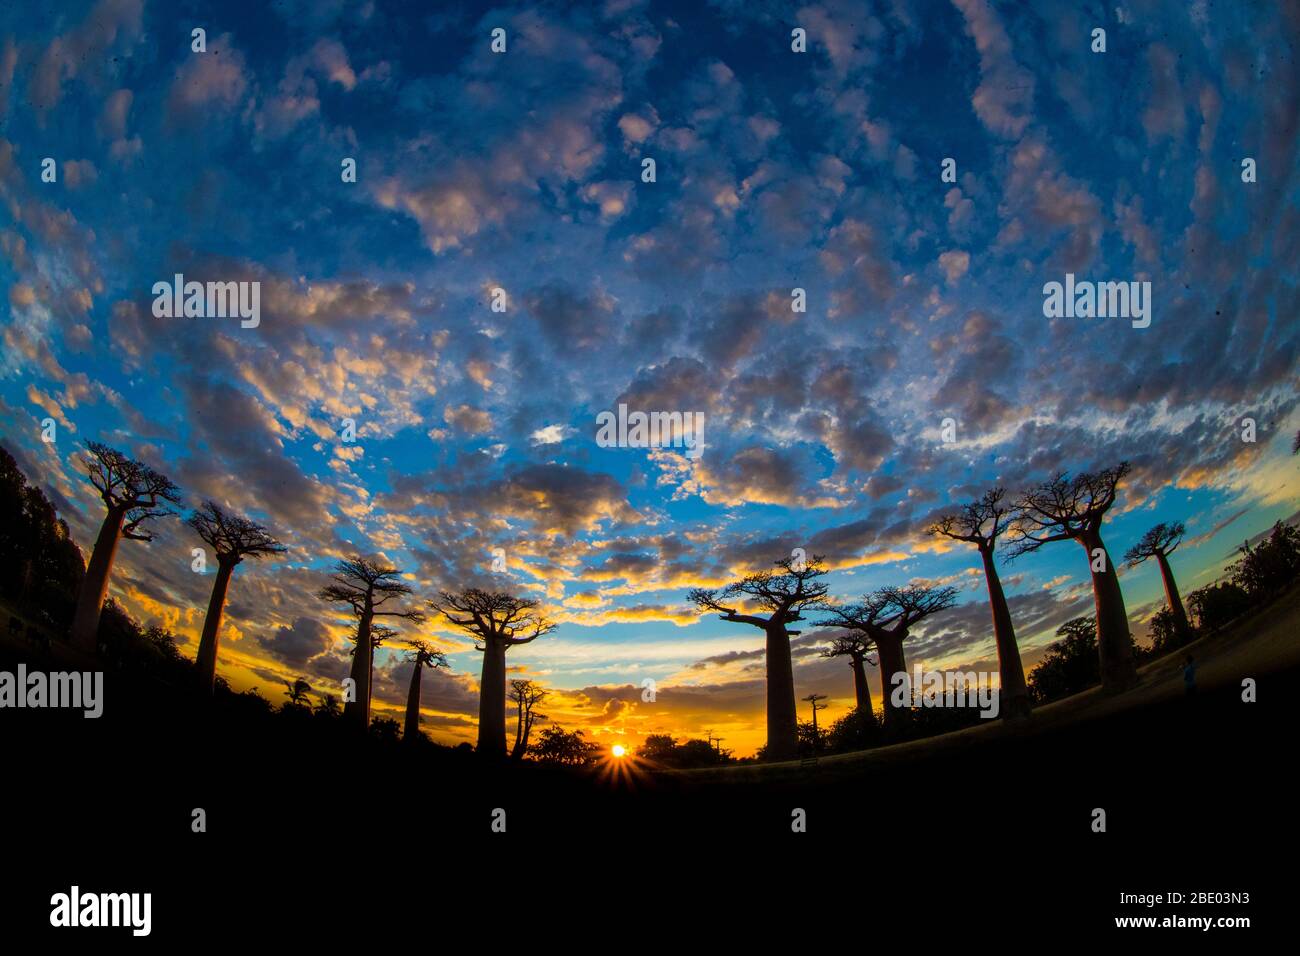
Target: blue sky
[{"x": 522, "y": 171}]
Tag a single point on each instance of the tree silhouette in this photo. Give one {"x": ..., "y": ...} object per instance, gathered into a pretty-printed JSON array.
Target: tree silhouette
[
  {"x": 1165, "y": 635},
  {"x": 422, "y": 654},
  {"x": 41, "y": 567},
  {"x": 1269, "y": 566},
  {"x": 1070, "y": 665},
  {"x": 886, "y": 618},
  {"x": 817, "y": 735},
  {"x": 783, "y": 594},
  {"x": 1159, "y": 542},
  {"x": 526, "y": 696},
  {"x": 663, "y": 750},
  {"x": 571, "y": 749},
  {"x": 856, "y": 730},
  {"x": 297, "y": 692},
  {"x": 368, "y": 587},
  {"x": 386, "y": 729},
  {"x": 1072, "y": 509},
  {"x": 981, "y": 523},
  {"x": 1216, "y": 605},
  {"x": 855, "y": 646},
  {"x": 233, "y": 538},
  {"x": 133, "y": 495},
  {"x": 496, "y": 620}
]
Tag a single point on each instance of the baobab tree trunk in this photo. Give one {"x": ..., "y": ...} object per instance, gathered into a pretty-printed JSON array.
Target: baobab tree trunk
[
  {"x": 782, "y": 718},
  {"x": 521, "y": 734},
  {"x": 94, "y": 586},
  {"x": 492, "y": 700},
  {"x": 206, "y": 661},
  {"x": 412, "y": 728},
  {"x": 357, "y": 712},
  {"x": 861, "y": 689},
  {"x": 1114, "y": 643},
  {"x": 1011, "y": 673},
  {"x": 521, "y": 740},
  {"x": 1172, "y": 598},
  {"x": 892, "y": 662}
]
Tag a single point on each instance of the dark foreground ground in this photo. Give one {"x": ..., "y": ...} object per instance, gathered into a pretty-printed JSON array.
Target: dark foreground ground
[{"x": 321, "y": 838}]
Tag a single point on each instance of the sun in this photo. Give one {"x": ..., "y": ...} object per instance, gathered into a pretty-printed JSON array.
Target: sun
[{"x": 619, "y": 766}]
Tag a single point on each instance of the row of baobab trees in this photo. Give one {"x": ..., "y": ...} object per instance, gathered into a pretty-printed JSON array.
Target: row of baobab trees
[
  {"x": 135, "y": 495},
  {"x": 1061, "y": 509}
]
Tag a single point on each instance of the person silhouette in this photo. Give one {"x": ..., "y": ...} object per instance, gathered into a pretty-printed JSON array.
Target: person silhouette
[{"x": 1189, "y": 675}]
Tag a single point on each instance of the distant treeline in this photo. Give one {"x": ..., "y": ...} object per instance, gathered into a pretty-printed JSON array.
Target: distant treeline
[{"x": 41, "y": 567}]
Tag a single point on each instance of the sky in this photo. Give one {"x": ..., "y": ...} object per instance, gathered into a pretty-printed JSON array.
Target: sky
[{"x": 523, "y": 171}]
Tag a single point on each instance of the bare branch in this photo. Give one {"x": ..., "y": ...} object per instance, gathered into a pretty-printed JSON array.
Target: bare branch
[
  {"x": 233, "y": 537},
  {"x": 424, "y": 654},
  {"x": 493, "y": 616},
  {"x": 978, "y": 522},
  {"x": 364, "y": 585},
  {"x": 784, "y": 593},
  {"x": 1160, "y": 539},
  {"x": 136, "y": 490},
  {"x": 1064, "y": 508}
]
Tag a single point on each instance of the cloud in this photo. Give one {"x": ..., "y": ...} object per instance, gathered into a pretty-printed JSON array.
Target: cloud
[
  {"x": 298, "y": 644},
  {"x": 954, "y": 264},
  {"x": 551, "y": 434},
  {"x": 208, "y": 83},
  {"x": 1005, "y": 94},
  {"x": 465, "y": 418},
  {"x": 109, "y": 25}
]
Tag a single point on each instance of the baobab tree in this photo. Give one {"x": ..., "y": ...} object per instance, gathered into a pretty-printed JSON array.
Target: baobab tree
[
  {"x": 1072, "y": 509},
  {"x": 422, "y": 654},
  {"x": 886, "y": 617},
  {"x": 379, "y": 634},
  {"x": 1159, "y": 542},
  {"x": 133, "y": 495},
  {"x": 981, "y": 523},
  {"x": 369, "y": 588},
  {"x": 499, "y": 621},
  {"x": 526, "y": 696},
  {"x": 233, "y": 538},
  {"x": 855, "y": 646},
  {"x": 783, "y": 594},
  {"x": 815, "y": 700}
]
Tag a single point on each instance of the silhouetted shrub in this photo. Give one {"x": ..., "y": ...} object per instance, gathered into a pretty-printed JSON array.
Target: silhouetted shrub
[
  {"x": 1269, "y": 566},
  {"x": 810, "y": 742},
  {"x": 1070, "y": 665},
  {"x": 559, "y": 746},
  {"x": 1215, "y": 605},
  {"x": 40, "y": 566},
  {"x": 663, "y": 750},
  {"x": 386, "y": 729},
  {"x": 1164, "y": 632},
  {"x": 856, "y": 730}
]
